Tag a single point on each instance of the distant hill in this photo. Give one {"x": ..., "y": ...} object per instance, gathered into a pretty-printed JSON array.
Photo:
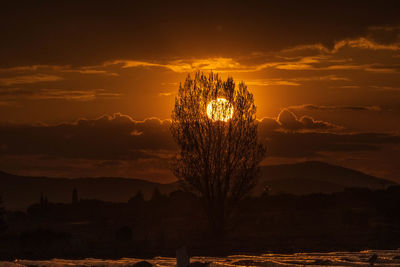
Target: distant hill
[
  {"x": 18, "y": 192},
  {"x": 315, "y": 177}
]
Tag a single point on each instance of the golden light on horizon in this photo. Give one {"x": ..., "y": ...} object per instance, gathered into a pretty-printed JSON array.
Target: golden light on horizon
[{"x": 220, "y": 110}]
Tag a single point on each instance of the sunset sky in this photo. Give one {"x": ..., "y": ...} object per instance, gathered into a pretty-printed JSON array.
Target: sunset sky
[{"x": 87, "y": 88}]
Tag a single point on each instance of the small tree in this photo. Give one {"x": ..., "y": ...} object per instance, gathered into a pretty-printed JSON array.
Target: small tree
[
  {"x": 156, "y": 196},
  {"x": 218, "y": 144},
  {"x": 3, "y": 225},
  {"x": 137, "y": 198},
  {"x": 75, "y": 198}
]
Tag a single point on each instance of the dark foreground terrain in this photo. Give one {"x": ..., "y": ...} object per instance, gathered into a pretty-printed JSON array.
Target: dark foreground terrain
[{"x": 351, "y": 220}]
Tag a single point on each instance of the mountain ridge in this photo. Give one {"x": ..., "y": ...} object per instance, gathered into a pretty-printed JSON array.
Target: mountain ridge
[
  {"x": 18, "y": 192},
  {"x": 327, "y": 178}
]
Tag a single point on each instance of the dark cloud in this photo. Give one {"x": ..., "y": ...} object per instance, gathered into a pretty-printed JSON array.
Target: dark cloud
[
  {"x": 350, "y": 75},
  {"x": 106, "y": 138},
  {"x": 121, "y": 146},
  {"x": 268, "y": 124},
  {"x": 311, "y": 144},
  {"x": 289, "y": 121},
  {"x": 91, "y": 32},
  {"x": 119, "y": 137},
  {"x": 290, "y": 136},
  {"x": 333, "y": 107},
  {"x": 385, "y": 34}
]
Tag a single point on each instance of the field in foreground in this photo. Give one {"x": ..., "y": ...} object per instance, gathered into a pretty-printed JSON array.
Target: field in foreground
[{"x": 362, "y": 258}]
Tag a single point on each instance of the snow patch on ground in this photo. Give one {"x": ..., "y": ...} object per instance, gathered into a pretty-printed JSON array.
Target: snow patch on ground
[{"x": 362, "y": 258}]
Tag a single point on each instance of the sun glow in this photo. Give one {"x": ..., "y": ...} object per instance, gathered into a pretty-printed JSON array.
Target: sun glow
[{"x": 220, "y": 110}]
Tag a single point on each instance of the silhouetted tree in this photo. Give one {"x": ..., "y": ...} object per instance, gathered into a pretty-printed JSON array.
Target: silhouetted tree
[
  {"x": 156, "y": 196},
  {"x": 43, "y": 200},
  {"x": 217, "y": 159},
  {"x": 137, "y": 198},
  {"x": 75, "y": 196}
]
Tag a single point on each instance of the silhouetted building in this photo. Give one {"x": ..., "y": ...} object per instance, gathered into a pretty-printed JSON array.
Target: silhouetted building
[{"x": 41, "y": 199}]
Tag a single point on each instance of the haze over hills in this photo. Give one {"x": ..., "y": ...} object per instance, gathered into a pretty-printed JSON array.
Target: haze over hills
[{"x": 18, "y": 192}]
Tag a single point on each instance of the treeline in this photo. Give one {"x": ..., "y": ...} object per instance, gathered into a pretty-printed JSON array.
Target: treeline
[{"x": 355, "y": 219}]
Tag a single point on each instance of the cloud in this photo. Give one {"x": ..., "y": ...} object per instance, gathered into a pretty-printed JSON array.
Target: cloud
[
  {"x": 77, "y": 95},
  {"x": 6, "y": 92},
  {"x": 315, "y": 56},
  {"x": 334, "y": 107},
  {"x": 11, "y": 94},
  {"x": 289, "y": 121},
  {"x": 64, "y": 94},
  {"x": 91, "y": 70},
  {"x": 313, "y": 144},
  {"x": 364, "y": 43},
  {"x": 119, "y": 145},
  {"x": 226, "y": 64},
  {"x": 26, "y": 79},
  {"x": 347, "y": 86},
  {"x": 303, "y": 48},
  {"x": 220, "y": 64},
  {"x": 380, "y": 68},
  {"x": 331, "y": 77},
  {"x": 322, "y": 61},
  {"x": 7, "y": 103},
  {"x": 189, "y": 33},
  {"x": 271, "y": 82},
  {"x": 43, "y": 70},
  {"x": 107, "y": 138},
  {"x": 295, "y": 81},
  {"x": 165, "y": 93},
  {"x": 385, "y": 88},
  {"x": 268, "y": 124},
  {"x": 119, "y": 137}
]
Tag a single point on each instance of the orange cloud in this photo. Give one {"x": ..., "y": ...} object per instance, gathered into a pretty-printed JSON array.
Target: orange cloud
[
  {"x": 271, "y": 82},
  {"x": 364, "y": 43},
  {"x": 166, "y": 94},
  {"x": 25, "y": 79}
]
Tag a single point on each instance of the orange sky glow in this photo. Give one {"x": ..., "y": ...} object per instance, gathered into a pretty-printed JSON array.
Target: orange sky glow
[{"x": 326, "y": 84}]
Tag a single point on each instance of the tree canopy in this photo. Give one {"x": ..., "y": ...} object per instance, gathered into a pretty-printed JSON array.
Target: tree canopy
[{"x": 219, "y": 151}]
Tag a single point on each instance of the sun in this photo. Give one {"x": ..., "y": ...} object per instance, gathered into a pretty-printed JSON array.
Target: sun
[{"x": 220, "y": 110}]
